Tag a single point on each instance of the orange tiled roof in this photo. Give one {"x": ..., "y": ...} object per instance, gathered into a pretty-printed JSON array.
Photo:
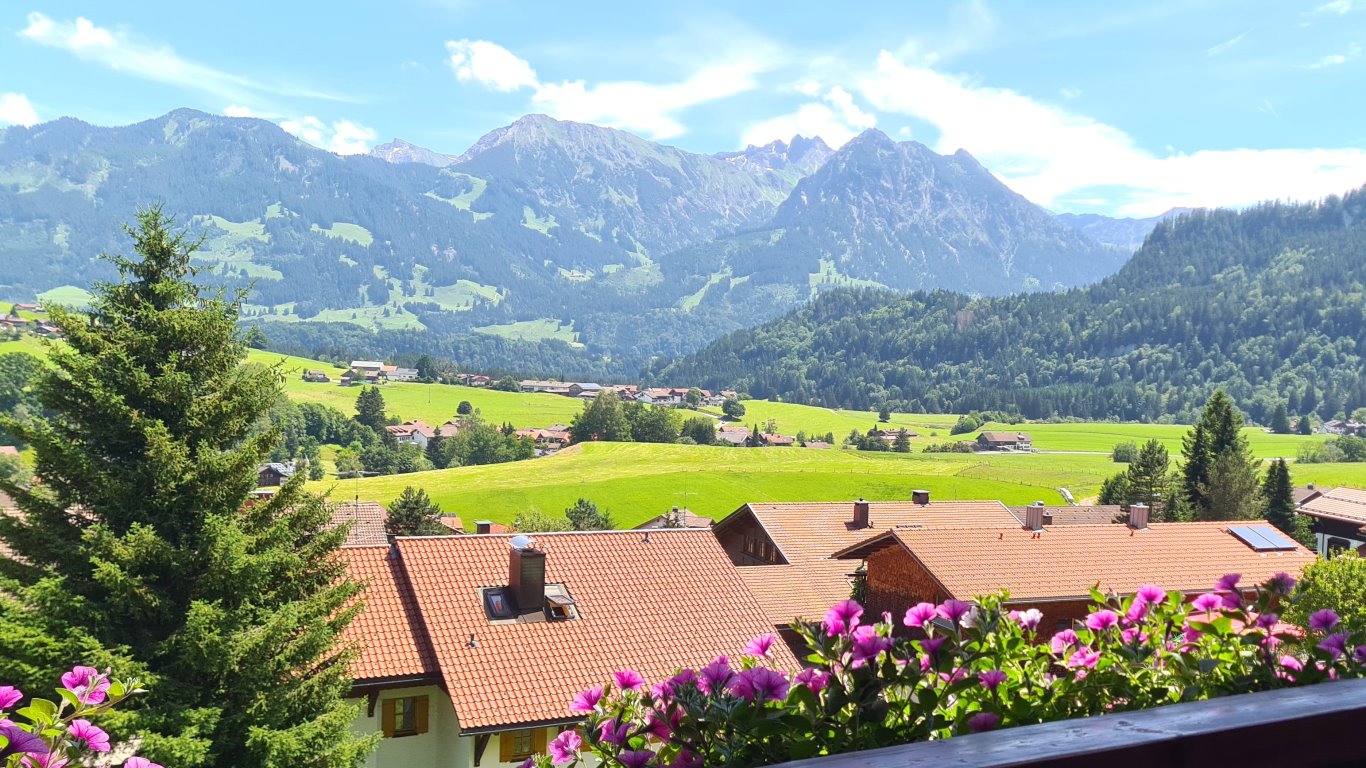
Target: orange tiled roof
[
  {"x": 1066, "y": 561},
  {"x": 368, "y": 523},
  {"x": 1095, "y": 514},
  {"x": 1345, "y": 504},
  {"x": 808, "y": 534},
  {"x": 388, "y": 630},
  {"x": 650, "y": 605}
]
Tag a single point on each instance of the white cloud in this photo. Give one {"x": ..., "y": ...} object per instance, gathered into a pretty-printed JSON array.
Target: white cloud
[
  {"x": 237, "y": 110},
  {"x": 836, "y": 119},
  {"x": 15, "y": 109},
  {"x": 342, "y": 137},
  {"x": 1336, "y": 59},
  {"x": 489, "y": 64},
  {"x": 159, "y": 63},
  {"x": 1058, "y": 158},
  {"x": 648, "y": 108},
  {"x": 1340, "y": 7},
  {"x": 1069, "y": 93},
  {"x": 1215, "y": 50}
]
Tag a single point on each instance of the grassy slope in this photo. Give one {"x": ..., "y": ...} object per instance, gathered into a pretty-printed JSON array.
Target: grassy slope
[
  {"x": 792, "y": 418},
  {"x": 1103, "y": 436}
]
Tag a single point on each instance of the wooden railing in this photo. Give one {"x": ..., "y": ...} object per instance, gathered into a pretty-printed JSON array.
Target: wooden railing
[{"x": 1318, "y": 726}]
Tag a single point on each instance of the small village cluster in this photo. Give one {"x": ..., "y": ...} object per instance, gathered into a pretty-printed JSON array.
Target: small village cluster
[
  {"x": 473, "y": 647},
  {"x": 38, "y": 326}
]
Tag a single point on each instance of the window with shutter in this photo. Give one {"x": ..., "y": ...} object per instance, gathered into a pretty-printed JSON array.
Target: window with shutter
[
  {"x": 405, "y": 716},
  {"x": 514, "y": 746}
]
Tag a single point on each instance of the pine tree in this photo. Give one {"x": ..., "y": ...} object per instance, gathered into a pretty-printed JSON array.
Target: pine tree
[
  {"x": 1305, "y": 425},
  {"x": 1231, "y": 491},
  {"x": 370, "y": 409},
  {"x": 902, "y": 443},
  {"x": 756, "y": 439},
  {"x": 230, "y": 614},
  {"x": 884, "y": 414},
  {"x": 1280, "y": 420},
  {"x": 1195, "y": 469},
  {"x": 1148, "y": 479},
  {"x": 1223, "y": 424},
  {"x": 413, "y": 514},
  {"x": 585, "y": 516},
  {"x": 1278, "y": 503},
  {"x": 1115, "y": 490}
]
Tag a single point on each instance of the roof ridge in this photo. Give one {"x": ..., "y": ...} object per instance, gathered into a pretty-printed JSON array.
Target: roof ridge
[{"x": 618, "y": 531}]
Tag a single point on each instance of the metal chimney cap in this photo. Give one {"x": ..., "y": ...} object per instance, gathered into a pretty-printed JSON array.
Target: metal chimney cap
[{"x": 521, "y": 541}]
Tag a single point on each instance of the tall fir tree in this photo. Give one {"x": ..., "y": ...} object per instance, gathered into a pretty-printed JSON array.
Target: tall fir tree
[
  {"x": 1195, "y": 467},
  {"x": 1231, "y": 493},
  {"x": 1280, "y": 420},
  {"x": 136, "y": 549},
  {"x": 1223, "y": 423},
  {"x": 1148, "y": 479},
  {"x": 414, "y": 514},
  {"x": 1278, "y": 502},
  {"x": 370, "y": 409}
]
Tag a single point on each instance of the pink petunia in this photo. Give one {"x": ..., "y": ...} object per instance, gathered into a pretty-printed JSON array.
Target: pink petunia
[
  {"x": 1138, "y": 609},
  {"x": 1152, "y": 594},
  {"x": 9, "y": 696},
  {"x": 760, "y": 685},
  {"x": 1083, "y": 657},
  {"x": 1102, "y": 620},
  {"x": 1359, "y": 653},
  {"x": 1228, "y": 582},
  {"x": 587, "y": 701},
  {"x": 564, "y": 749},
  {"x": 815, "y": 679},
  {"x": 1030, "y": 618},
  {"x": 1133, "y": 635},
  {"x": 1335, "y": 645},
  {"x": 628, "y": 679},
  {"x": 1064, "y": 640},
  {"x": 919, "y": 615},
  {"x": 983, "y": 721},
  {"x": 139, "y": 762},
  {"x": 992, "y": 678},
  {"x": 1324, "y": 620},
  {"x": 715, "y": 676},
  {"x": 94, "y": 737},
  {"x": 1281, "y": 584},
  {"x": 953, "y": 610},
  {"x": 1189, "y": 633},
  {"x": 1207, "y": 602},
  {"x": 43, "y": 761},
  {"x": 1267, "y": 620},
  {"x": 87, "y": 683},
  {"x": 761, "y": 646},
  {"x": 868, "y": 644},
  {"x": 842, "y": 617},
  {"x": 614, "y": 731},
  {"x": 636, "y": 758}
]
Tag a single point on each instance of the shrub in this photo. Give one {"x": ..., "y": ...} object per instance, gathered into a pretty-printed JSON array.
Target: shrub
[
  {"x": 972, "y": 668},
  {"x": 1124, "y": 453}
]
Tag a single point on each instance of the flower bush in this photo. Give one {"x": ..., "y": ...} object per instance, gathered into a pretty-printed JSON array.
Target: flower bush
[
  {"x": 968, "y": 668},
  {"x": 53, "y": 734}
]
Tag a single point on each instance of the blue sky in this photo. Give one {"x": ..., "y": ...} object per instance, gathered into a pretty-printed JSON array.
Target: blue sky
[{"x": 1125, "y": 109}]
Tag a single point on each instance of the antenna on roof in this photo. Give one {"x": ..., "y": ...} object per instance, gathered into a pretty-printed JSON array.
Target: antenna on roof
[
  {"x": 472, "y": 642},
  {"x": 646, "y": 538}
]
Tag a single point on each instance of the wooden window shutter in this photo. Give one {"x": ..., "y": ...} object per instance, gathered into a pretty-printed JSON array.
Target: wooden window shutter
[
  {"x": 538, "y": 741},
  {"x": 420, "y": 714},
  {"x": 387, "y": 717},
  {"x": 505, "y": 747}
]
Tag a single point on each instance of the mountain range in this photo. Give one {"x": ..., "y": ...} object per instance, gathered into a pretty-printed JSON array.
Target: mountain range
[{"x": 546, "y": 243}]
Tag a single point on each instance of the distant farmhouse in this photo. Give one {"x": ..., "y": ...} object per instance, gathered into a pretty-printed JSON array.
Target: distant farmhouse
[{"x": 1004, "y": 441}]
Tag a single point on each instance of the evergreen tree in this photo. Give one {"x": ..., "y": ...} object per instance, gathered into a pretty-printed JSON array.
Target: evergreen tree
[
  {"x": 413, "y": 514},
  {"x": 464, "y": 409},
  {"x": 1231, "y": 491},
  {"x": 1305, "y": 425},
  {"x": 255, "y": 338},
  {"x": 884, "y": 414},
  {"x": 1195, "y": 468},
  {"x": 585, "y": 516},
  {"x": 370, "y": 409},
  {"x": 756, "y": 439},
  {"x": 1148, "y": 479},
  {"x": 1115, "y": 489},
  {"x": 435, "y": 452},
  {"x": 426, "y": 369},
  {"x": 701, "y": 429},
  {"x": 1280, "y": 420},
  {"x": 601, "y": 419},
  {"x": 231, "y": 614},
  {"x": 902, "y": 443},
  {"x": 1278, "y": 503},
  {"x": 1223, "y": 424}
]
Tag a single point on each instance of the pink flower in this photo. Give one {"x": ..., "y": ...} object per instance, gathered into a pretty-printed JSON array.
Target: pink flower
[
  {"x": 1291, "y": 663},
  {"x": 636, "y": 758},
  {"x": 1083, "y": 657},
  {"x": 761, "y": 646},
  {"x": 9, "y": 696},
  {"x": 760, "y": 685},
  {"x": 815, "y": 679},
  {"x": 687, "y": 759},
  {"x": 953, "y": 610},
  {"x": 716, "y": 675},
  {"x": 564, "y": 748},
  {"x": 868, "y": 644},
  {"x": 614, "y": 731},
  {"x": 930, "y": 647},
  {"x": 1281, "y": 584},
  {"x": 983, "y": 721},
  {"x": 1029, "y": 619},
  {"x": 94, "y": 737},
  {"x": 1102, "y": 620},
  {"x": 20, "y": 741},
  {"x": 1360, "y": 654},
  {"x": 672, "y": 685},
  {"x": 1207, "y": 602},
  {"x": 919, "y": 615},
  {"x": 1191, "y": 634},
  {"x": 140, "y": 762},
  {"x": 958, "y": 673},
  {"x": 1228, "y": 582},
  {"x": 1324, "y": 620},
  {"x": 87, "y": 683},
  {"x": 586, "y": 701},
  {"x": 1335, "y": 645},
  {"x": 842, "y": 617},
  {"x": 992, "y": 678},
  {"x": 1064, "y": 640},
  {"x": 628, "y": 679},
  {"x": 1152, "y": 594},
  {"x": 1267, "y": 620},
  {"x": 1132, "y": 635},
  {"x": 43, "y": 761},
  {"x": 1138, "y": 609}
]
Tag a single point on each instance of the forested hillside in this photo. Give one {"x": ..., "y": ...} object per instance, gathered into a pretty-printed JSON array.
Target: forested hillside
[{"x": 1267, "y": 303}]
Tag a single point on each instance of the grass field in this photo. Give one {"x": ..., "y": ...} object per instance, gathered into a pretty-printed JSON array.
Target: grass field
[
  {"x": 545, "y": 329},
  {"x": 67, "y": 295},
  {"x": 1102, "y": 437},
  {"x": 792, "y": 418}
]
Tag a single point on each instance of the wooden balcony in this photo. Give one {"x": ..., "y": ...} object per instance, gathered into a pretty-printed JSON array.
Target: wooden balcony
[{"x": 1318, "y": 726}]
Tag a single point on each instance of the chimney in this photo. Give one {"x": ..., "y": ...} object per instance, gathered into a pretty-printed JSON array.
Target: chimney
[
  {"x": 1034, "y": 516},
  {"x": 526, "y": 578},
  {"x": 1138, "y": 516},
  {"x": 483, "y": 526},
  {"x": 920, "y": 497},
  {"x": 861, "y": 514}
]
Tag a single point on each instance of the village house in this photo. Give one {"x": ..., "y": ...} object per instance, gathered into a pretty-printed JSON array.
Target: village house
[
  {"x": 366, "y": 519},
  {"x": 676, "y": 518},
  {"x": 416, "y": 432},
  {"x": 537, "y": 385},
  {"x": 660, "y": 396},
  {"x": 1054, "y": 569},
  {"x": 316, "y": 377},
  {"x": 775, "y": 440},
  {"x": 546, "y": 440},
  {"x": 1339, "y": 520},
  {"x": 472, "y": 648},
  {"x": 401, "y": 374},
  {"x": 28, "y": 307},
  {"x": 1306, "y": 493},
  {"x": 890, "y": 435},
  {"x": 1340, "y": 427},
  {"x": 274, "y": 474},
  {"x": 448, "y": 429},
  {"x": 1004, "y": 441},
  {"x": 784, "y": 552},
  {"x": 1087, "y": 514},
  {"x": 819, "y": 445}
]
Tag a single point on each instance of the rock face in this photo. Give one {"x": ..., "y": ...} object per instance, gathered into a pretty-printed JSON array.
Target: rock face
[
  {"x": 1126, "y": 234},
  {"x": 400, "y": 151}
]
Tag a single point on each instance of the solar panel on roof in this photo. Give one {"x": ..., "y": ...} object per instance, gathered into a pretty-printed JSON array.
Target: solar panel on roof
[{"x": 1262, "y": 538}]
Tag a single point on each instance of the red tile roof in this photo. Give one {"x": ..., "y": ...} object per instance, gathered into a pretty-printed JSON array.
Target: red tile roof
[
  {"x": 388, "y": 631},
  {"x": 1345, "y": 504},
  {"x": 646, "y": 602},
  {"x": 690, "y": 520},
  {"x": 368, "y": 519},
  {"x": 808, "y": 534},
  {"x": 1095, "y": 514},
  {"x": 1066, "y": 561},
  {"x": 8, "y": 450}
]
